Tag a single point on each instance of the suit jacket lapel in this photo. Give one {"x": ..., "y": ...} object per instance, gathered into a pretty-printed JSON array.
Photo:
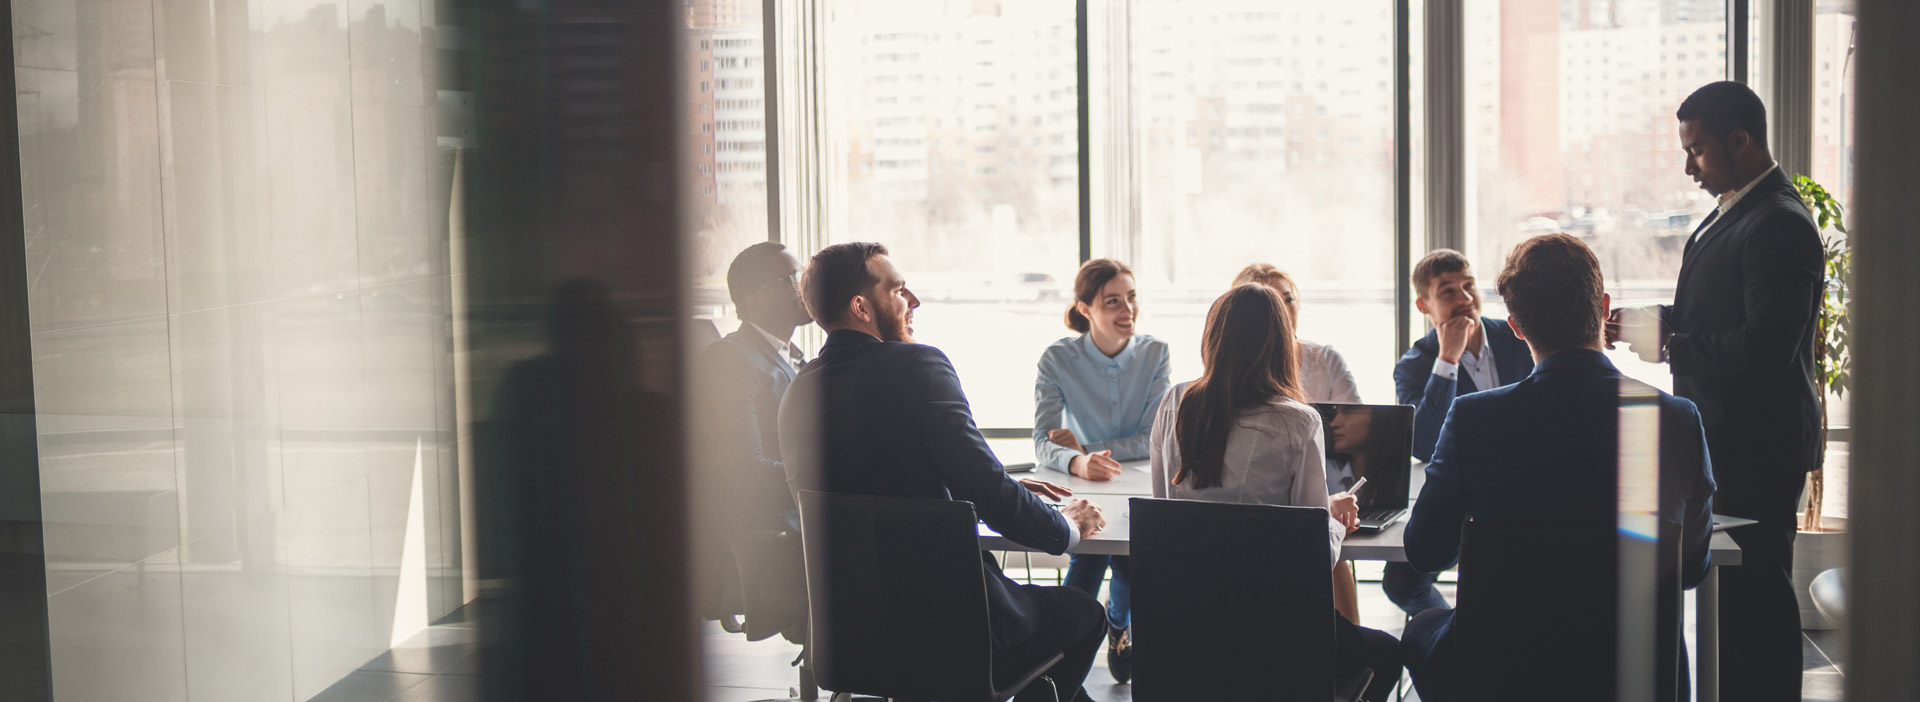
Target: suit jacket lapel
[
  {"x": 1694, "y": 238},
  {"x": 765, "y": 357},
  {"x": 1774, "y": 180}
]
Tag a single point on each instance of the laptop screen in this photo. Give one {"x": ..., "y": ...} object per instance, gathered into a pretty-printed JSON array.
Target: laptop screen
[{"x": 1374, "y": 441}]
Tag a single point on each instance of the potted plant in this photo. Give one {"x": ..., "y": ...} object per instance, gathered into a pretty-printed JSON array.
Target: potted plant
[{"x": 1822, "y": 541}]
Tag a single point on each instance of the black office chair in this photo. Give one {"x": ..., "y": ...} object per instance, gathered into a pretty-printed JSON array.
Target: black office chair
[
  {"x": 1538, "y": 611},
  {"x": 773, "y": 597},
  {"x": 1233, "y": 602},
  {"x": 897, "y": 592}
]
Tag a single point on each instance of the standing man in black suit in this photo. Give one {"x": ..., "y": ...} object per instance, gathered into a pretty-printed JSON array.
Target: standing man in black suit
[
  {"x": 1463, "y": 353},
  {"x": 876, "y": 414},
  {"x": 1739, "y": 338}
]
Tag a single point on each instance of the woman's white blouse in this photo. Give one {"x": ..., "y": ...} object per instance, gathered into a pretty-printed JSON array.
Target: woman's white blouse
[
  {"x": 1275, "y": 456},
  {"x": 1324, "y": 376}
]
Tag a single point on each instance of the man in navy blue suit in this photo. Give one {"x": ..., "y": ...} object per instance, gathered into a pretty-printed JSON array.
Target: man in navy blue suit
[
  {"x": 876, "y": 414},
  {"x": 1546, "y": 448},
  {"x": 1464, "y": 353}
]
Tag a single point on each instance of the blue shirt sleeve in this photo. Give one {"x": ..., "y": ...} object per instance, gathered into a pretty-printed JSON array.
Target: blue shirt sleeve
[{"x": 1049, "y": 413}]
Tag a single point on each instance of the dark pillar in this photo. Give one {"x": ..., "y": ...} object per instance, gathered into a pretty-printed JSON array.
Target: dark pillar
[
  {"x": 26, "y": 660},
  {"x": 1884, "y": 640},
  {"x": 573, "y": 213}
]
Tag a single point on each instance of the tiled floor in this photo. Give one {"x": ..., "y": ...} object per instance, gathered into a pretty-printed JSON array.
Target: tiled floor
[{"x": 441, "y": 664}]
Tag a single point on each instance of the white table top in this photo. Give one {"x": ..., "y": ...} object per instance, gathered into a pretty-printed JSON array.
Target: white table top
[{"x": 1112, "y": 496}]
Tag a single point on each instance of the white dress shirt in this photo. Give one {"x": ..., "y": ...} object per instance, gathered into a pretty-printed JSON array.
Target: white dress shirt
[
  {"x": 1275, "y": 455},
  {"x": 1732, "y": 197},
  {"x": 780, "y": 346},
  {"x": 1324, "y": 376}
]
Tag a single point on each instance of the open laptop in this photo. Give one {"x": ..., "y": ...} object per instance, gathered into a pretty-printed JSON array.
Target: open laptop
[{"x": 1375, "y": 442}]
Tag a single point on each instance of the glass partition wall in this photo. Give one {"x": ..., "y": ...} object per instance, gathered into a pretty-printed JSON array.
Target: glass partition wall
[{"x": 993, "y": 146}]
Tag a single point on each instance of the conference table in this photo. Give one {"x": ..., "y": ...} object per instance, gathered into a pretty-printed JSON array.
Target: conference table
[{"x": 1136, "y": 481}]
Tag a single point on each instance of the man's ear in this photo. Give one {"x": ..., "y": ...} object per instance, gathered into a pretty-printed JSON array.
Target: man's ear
[
  {"x": 857, "y": 309},
  {"x": 1737, "y": 141},
  {"x": 1420, "y": 303},
  {"x": 1514, "y": 324}
]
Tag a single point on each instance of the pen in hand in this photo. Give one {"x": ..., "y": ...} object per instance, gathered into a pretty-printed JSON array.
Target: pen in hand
[{"x": 1355, "y": 490}]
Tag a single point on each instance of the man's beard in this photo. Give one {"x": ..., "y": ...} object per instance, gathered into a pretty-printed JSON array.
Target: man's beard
[{"x": 893, "y": 327}]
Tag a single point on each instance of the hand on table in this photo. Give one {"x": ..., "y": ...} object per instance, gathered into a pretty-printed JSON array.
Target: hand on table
[
  {"x": 1085, "y": 516},
  {"x": 1345, "y": 508},
  {"x": 1095, "y": 466},
  {"x": 1065, "y": 437},
  {"x": 1045, "y": 489}
]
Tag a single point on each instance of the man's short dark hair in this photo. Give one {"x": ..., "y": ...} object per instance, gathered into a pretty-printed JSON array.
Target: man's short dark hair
[
  {"x": 1724, "y": 107},
  {"x": 1552, "y": 287},
  {"x": 834, "y": 276},
  {"x": 1435, "y": 263},
  {"x": 745, "y": 274}
]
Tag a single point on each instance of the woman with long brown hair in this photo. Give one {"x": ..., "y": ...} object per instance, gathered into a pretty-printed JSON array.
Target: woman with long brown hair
[{"x": 1242, "y": 433}]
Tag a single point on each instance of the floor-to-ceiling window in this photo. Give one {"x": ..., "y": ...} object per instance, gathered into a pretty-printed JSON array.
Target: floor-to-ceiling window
[
  {"x": 952, "y": 137},
  {"x": 1570, "y": 128},
  {"x": 1263, "y": 132}
]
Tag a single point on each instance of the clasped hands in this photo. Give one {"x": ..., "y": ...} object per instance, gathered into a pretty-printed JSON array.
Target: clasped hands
[{"x": 1084, "y": 515}]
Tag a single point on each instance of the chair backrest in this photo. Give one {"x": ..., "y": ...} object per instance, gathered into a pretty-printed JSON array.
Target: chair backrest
[
  {"x": 897, "y": 596},
  {"x": 1231, "y": 601},
  {"x": 1539, "y": 609}
]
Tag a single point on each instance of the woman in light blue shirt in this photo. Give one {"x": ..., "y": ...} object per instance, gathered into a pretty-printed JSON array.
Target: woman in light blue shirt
[{"x": 1095, "y": 401}]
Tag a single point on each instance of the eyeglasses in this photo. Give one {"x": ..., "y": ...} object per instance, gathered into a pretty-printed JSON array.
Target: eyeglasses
[{"x": 790, "y": 280}]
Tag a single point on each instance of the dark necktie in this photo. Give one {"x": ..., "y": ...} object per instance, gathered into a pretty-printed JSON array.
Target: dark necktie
[{"x": 1346, "y": 483}]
